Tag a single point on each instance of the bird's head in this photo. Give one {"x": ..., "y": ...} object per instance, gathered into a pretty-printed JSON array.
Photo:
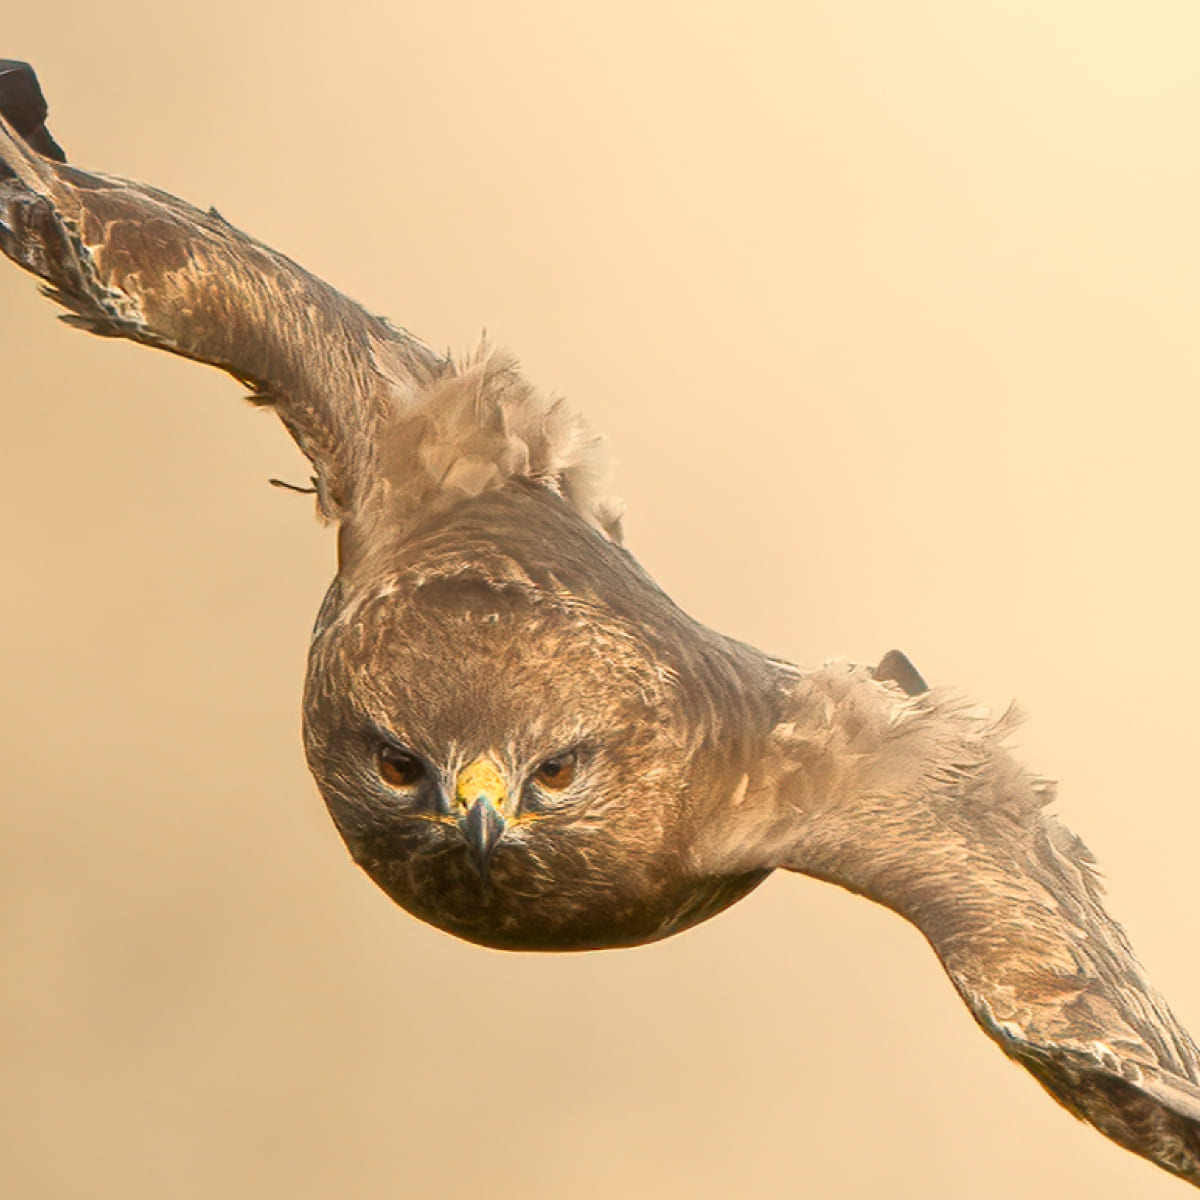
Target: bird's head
[{"x": 511, "y": 762}]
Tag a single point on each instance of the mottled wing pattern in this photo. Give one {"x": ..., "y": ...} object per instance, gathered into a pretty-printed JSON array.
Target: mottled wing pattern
[
  {"x": 864, "y": 778},
  {"x": 912, "y": 801},
  {"x": 393, "y": 430},
  {"x": 131, "y": 261},
  {"x": 1143, "y": 1109}
]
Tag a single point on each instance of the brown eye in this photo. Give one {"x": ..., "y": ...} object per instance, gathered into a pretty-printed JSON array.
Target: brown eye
[
  {"x": 557, "y": 773},
  {"x": 399, "y": 768}
]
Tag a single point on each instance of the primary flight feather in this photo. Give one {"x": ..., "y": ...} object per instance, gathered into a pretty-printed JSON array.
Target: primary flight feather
[{"x": 525, "y": 742}]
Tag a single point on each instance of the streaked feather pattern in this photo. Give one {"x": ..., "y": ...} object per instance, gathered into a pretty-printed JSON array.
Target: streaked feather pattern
[{"x": 484, "y": 611}]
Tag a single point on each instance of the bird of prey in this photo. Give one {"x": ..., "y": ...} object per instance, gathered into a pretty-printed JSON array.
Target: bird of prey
[{"x": 525, "y": 742}]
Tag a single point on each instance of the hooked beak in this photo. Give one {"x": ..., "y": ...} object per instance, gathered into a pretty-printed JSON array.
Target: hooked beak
[{"x": 482, "y": 797}]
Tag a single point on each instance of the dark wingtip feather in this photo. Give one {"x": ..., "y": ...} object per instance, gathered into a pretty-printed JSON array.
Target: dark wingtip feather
[{"x": 24, "y": 107}]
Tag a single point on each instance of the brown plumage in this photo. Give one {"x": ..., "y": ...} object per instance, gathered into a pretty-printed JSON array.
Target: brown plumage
[{"x": 525, "y": 742}]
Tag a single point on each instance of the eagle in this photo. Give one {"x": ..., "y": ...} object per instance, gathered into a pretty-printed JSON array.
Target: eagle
[{"x": 522, "y": 739}]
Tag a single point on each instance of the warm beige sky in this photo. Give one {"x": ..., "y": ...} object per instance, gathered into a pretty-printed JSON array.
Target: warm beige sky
[{"x": 890, "y": 312}]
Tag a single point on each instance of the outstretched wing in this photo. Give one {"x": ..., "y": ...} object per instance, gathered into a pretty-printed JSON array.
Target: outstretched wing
[
  {"x": 392, "y": 429},
  {"x": 131, "y": 261},
  {"x": 909, "y": 798}
]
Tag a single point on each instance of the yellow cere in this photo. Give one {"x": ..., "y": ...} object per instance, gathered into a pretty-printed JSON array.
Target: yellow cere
[{"x": 482, "y": 779}]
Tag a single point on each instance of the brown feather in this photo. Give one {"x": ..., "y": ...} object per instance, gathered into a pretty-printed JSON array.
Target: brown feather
[
  {"x": 916, "y": 804},
  {"x": 484, "y": 610}
]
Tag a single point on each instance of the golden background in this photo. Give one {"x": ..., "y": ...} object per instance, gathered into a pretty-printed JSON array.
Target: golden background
[{"x": 890, "y": 312}]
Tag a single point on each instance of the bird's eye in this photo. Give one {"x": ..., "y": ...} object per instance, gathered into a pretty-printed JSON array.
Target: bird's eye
[
  {"x": 399, "y": 768},
  {"x": 558, "y": 772}
]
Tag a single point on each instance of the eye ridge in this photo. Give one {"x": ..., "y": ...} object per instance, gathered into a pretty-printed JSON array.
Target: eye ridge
[{"x": 399, "y": 768}]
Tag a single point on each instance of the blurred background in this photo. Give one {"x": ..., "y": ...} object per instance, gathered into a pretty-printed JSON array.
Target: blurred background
[{"x": 890, "y": 314}]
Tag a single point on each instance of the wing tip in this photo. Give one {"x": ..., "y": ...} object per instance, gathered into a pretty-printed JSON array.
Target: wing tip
[{"x": 26, "y": 146}]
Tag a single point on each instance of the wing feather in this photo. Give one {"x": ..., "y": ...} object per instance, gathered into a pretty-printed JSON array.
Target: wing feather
[
  {"x": 395, "y": 431},
  {"x": 130, "y": 261},
  {"x": 913, "y": 801}
]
